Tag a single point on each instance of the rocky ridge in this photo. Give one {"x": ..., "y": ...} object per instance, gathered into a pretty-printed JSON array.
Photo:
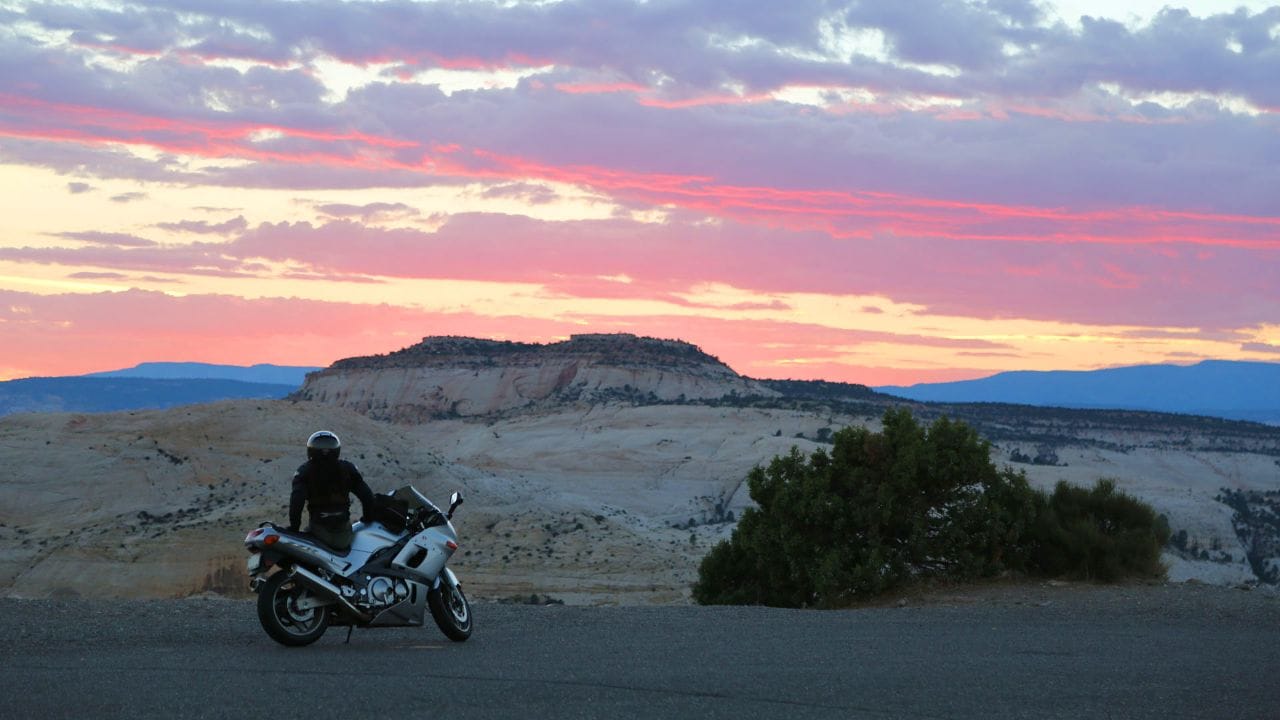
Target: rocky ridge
[
  {"x": 450, "y": 377},
  {"x": 620, "y": 349}
]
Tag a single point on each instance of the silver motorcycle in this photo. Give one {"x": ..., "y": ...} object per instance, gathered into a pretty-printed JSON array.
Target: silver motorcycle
[{"x": 394, "y": 571}]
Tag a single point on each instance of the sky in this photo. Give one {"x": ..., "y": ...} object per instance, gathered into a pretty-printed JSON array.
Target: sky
[{"x": 851, "y": 190}]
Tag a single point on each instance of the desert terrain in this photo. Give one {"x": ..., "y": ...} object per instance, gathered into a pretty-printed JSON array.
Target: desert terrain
[{"x": 597, "y": 473}]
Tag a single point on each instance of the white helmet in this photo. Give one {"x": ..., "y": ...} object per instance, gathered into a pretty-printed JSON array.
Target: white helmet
[{"x": 323, "y": 445}]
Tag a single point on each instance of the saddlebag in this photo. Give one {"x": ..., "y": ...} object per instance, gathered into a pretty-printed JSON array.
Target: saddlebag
[{"x": 392, "y": 513}]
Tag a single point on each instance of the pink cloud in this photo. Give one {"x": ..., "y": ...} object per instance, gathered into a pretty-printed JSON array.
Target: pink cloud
[
  {"x": 862, "y": 213},
  {"x": 107, "y": 238},
  {"x": 194, "y": 259},
  {"x": 840, "y": 213},
  {"x": 204, "y": 227},
  {"x": 28, "y": 117},
  {"x": 701, "y": 100},
  {"x": 98, "y": 276},
  {"x": 1104, "y": 284},
  {"x": 593, "y": 88}
]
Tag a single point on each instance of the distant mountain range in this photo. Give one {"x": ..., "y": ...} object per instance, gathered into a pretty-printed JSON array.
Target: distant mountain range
[
  {"x": 261, "y": 373},
  {"x": 149, "y": 385},
  {"x": 1235, "y": 390}
]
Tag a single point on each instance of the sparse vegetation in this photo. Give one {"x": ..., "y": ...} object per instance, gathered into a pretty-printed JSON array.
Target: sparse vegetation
[
  {"x": 1045, "y": 455},
  {"x": 1257, "y": 524},
  {"x": 881, "y": 510}
]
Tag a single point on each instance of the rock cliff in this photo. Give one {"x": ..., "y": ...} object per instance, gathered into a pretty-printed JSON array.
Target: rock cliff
[{"x": 444, "y": 377}]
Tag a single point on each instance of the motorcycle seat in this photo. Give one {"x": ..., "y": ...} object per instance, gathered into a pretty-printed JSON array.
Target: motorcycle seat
[{"x": 308, "y": 537}]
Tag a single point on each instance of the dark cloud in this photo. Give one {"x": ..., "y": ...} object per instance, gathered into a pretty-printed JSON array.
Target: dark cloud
[
  {"x": 946, "y": 32},
  {"x": 143, "y": 29},
  {"x": 94, "y": 160},
  {"x": 1031, "y": 112},
  {"x": 1175, "y": 52},
  {"x": 128, "y": 197},
  {"x": 76, "y": 188},
  {"x": 707, "y": 43},
  {"x": 1020, "y": 12}
]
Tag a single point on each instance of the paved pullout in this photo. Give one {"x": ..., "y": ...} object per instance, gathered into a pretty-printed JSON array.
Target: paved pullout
[{"x": 1026, "y": 652}]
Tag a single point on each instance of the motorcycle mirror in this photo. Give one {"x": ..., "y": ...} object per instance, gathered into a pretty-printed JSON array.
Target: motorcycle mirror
[{"x": 454, "y": 501}]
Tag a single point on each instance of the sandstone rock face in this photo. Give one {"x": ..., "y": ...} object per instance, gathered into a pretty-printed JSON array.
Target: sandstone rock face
[{"x": 460, "y": 377}]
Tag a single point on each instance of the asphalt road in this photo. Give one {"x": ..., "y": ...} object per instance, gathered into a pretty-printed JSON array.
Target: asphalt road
[{"x": 1081, "y": 653}]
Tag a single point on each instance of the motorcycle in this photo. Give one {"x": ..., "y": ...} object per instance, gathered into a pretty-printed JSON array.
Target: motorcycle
[{"x": 393, "y": 573}]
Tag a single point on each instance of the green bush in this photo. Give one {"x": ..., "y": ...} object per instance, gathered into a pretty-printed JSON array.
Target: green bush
[
  {"x": 1097, "y": 534},
  {"x": 878, "y": 510}
]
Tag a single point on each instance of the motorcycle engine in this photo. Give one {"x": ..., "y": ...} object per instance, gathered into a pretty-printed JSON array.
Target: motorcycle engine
[{"x": 385, "y": 591}]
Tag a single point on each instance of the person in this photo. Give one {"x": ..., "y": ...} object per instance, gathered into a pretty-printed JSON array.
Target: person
[{"x": 324, "y": 484}]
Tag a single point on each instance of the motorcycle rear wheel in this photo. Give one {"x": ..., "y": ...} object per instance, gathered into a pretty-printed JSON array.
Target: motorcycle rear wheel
[
  {"x": 284, "y": 621},
  {"x": 451, "y": 611}
]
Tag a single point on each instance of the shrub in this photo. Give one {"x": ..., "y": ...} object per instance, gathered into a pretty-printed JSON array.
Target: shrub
[
  {"x": 878, "y": 510},
  {"x": 1098, "y": 534},
  {"x": 875, "y": 511}
]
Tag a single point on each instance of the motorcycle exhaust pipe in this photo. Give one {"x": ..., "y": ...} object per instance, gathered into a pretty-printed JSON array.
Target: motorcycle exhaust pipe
[{"x": 328, "y": 591}]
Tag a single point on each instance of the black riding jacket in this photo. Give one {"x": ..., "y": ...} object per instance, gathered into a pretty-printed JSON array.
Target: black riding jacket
[{"x": 325, "y": 487}]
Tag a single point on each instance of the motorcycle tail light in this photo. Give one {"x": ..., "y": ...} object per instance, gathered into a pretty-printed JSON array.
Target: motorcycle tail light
[
  {"x": 271, "y": 540},
  {"x": 451, "y": 544}
]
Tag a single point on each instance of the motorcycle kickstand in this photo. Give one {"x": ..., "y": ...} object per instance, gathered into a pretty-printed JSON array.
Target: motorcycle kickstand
[{"x": 349, "y": 629}]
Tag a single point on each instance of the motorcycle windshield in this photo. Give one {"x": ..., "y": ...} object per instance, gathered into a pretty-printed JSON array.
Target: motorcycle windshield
[{"x": 414, "y": 499}]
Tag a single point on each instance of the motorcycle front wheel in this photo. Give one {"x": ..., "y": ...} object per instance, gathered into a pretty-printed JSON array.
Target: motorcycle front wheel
[
  {"x": 285, "y": 612},
  {"x": 451, "y": 611}
]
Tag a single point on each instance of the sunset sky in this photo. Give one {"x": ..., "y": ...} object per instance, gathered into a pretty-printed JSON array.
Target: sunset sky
[{"x": 866, "y": 191}]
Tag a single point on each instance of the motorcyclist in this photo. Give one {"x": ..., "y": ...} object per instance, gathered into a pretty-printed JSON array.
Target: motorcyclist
[{"x": 324, "y": 484}]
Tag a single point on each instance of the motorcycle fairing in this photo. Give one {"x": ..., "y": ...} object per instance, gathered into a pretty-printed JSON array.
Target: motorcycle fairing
[{"x": 412, "y": 611}]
